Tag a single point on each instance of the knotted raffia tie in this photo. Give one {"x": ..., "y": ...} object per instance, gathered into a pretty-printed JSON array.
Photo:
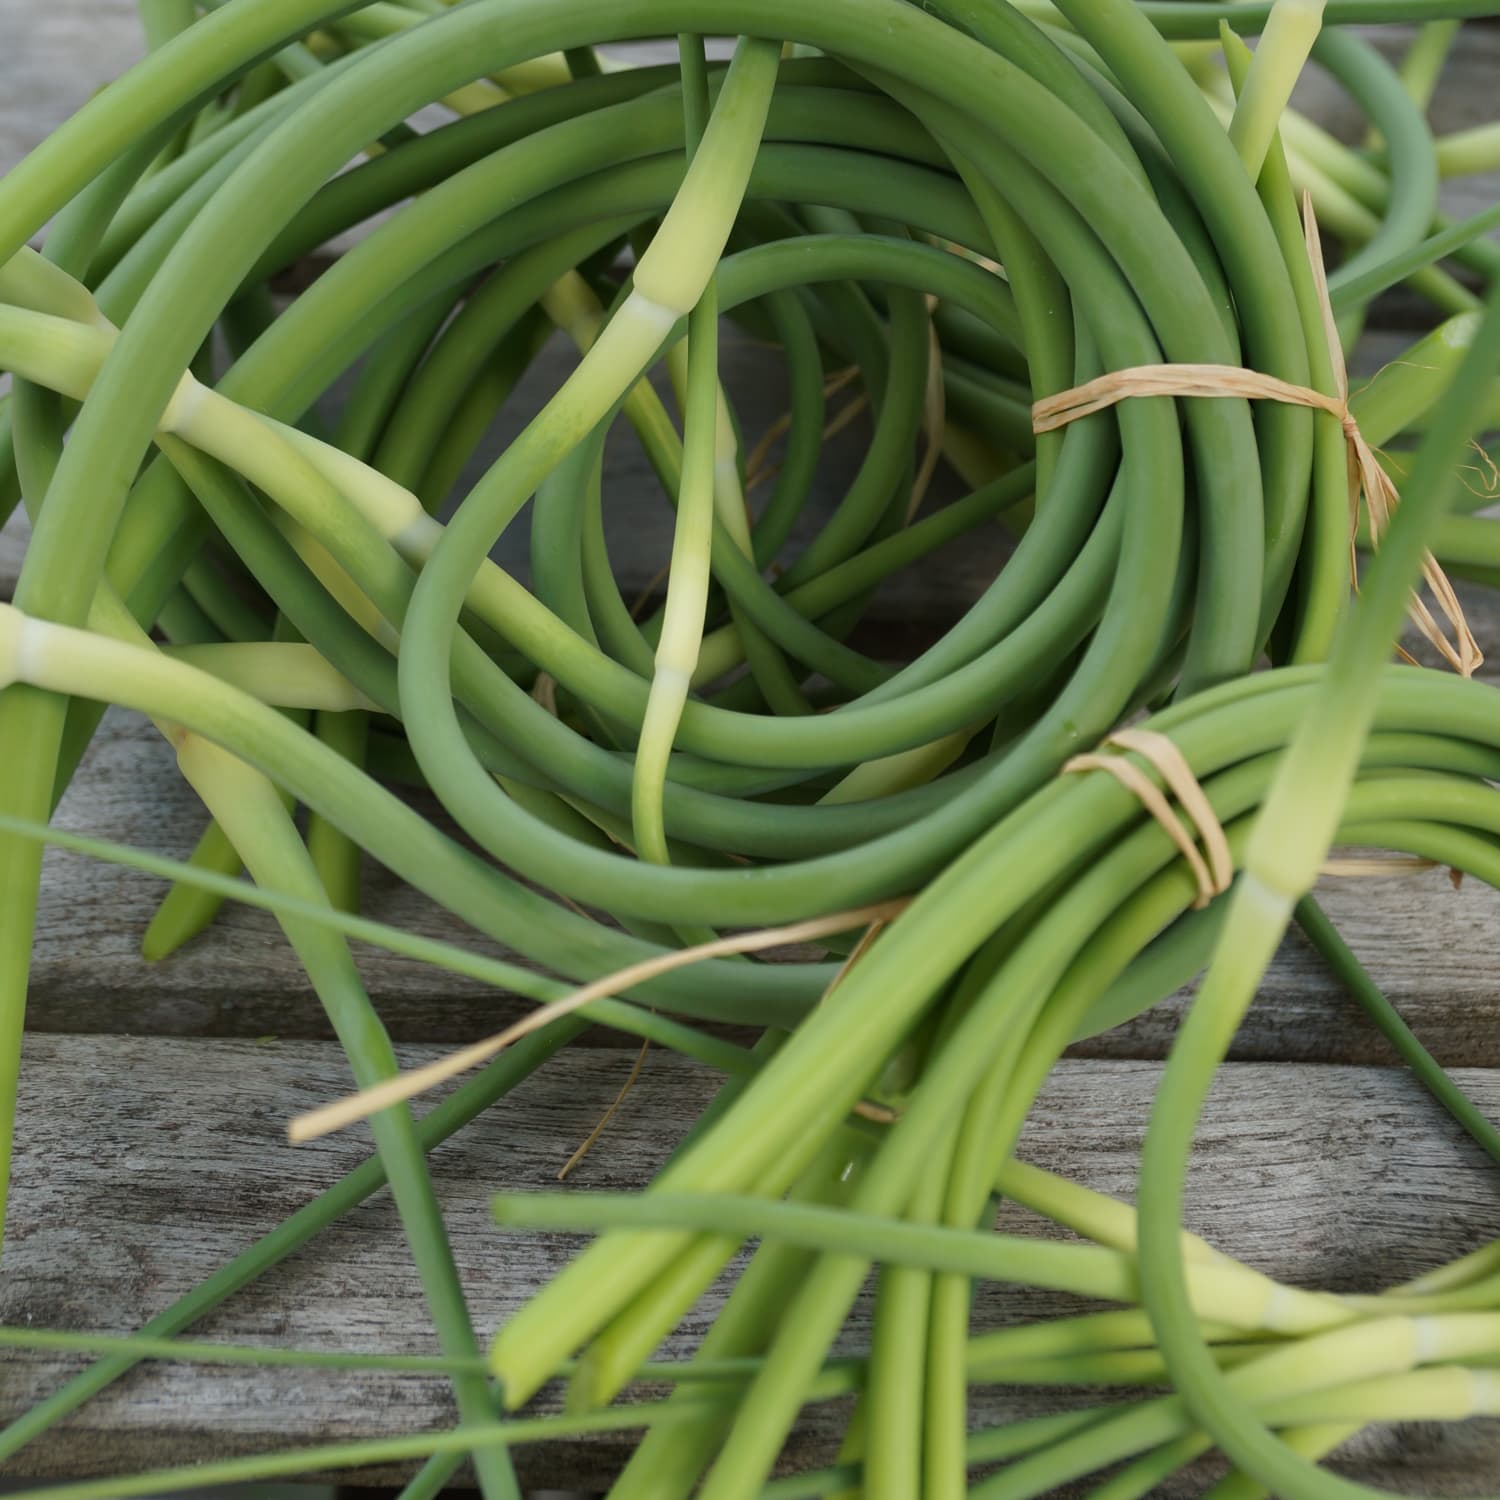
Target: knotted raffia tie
[
  {"x": 1213, "y": 873},
  {"x": 1366, "y": 476}
]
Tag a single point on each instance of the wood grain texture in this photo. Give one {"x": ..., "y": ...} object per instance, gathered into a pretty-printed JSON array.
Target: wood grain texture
[
  {"x": 54, "y": 57},
  {"x": 13, "y": 537},
  {"x": 1427, "y": 943},
  {"x": 145, "y": 1163}
]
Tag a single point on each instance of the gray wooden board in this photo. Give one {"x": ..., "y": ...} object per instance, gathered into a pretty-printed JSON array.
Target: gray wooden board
[
  {"x": 145, "y": 1163},
  {"x": 52, "y": 58},
  {"x": 13, "y": 537},
  {"x": 1427, "y": 943}
]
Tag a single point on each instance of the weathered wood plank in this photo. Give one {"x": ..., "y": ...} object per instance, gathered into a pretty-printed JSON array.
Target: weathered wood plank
[
  {"x": 144, "y": 1164},
  {"x": 13, "y": 536},
  {"x": 1428, "y": 943},
  {"x": 54, "y": 58}
]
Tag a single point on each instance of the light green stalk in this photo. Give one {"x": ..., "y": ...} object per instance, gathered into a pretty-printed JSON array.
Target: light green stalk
[
  {"x": 186, "y": 910},
  {"x": 1312, "y": 1442},
  {"x": 1287, "y": 848},
  {"x": 470, "y": 1438},
  {"x": 1222, "y": 1291},
  {"x": 1096, "y": 1216},
  {"x": 251, "y": 812},
  {"x": 286, "y": 674},
  {"x": 688, "y": 580},
  {"x": 256, "y": 821},
  {"x": 1279, "y": 58},
  {"x": 1319, "y": 166},
  {"x": 1466, "y": 153}
]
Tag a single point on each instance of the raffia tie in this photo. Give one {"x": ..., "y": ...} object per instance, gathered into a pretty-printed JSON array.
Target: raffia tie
[
  {"x": 1366, "y": 476},
  {"x": 1212, "y": 873},
  {"x": 1213, "y": 865}
]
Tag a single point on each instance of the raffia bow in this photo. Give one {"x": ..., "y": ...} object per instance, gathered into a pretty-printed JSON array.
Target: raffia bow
[{"x": 1366, "y": 476}]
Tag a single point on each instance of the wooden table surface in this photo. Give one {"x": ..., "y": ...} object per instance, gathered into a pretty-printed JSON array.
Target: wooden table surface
[{"x": 151, "y": 1142}]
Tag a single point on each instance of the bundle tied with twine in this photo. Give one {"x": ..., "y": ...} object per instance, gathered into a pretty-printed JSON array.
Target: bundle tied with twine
[
  {"x": 1366, "y": 476},
  {"x": 1212, "y": 868}
]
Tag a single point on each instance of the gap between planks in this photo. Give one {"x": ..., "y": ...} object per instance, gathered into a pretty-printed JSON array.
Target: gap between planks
[
  {"x": 145, "y": 1163},
  {"x": 1428, "y": 944}
]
